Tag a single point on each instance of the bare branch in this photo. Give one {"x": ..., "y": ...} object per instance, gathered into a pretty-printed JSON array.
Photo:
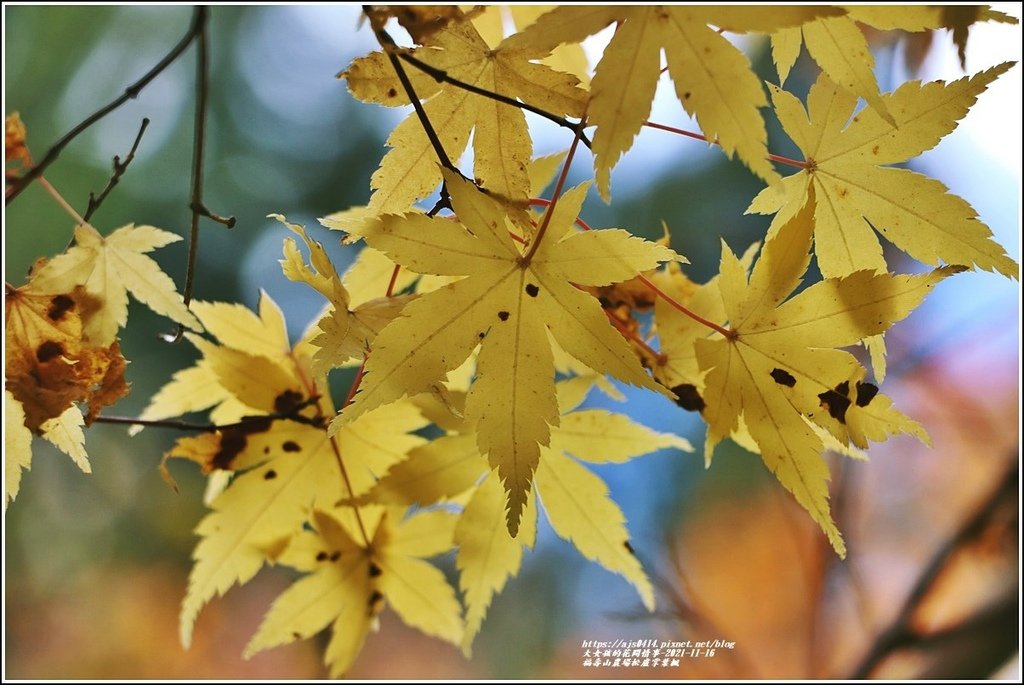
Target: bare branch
[
  {"x": 130, "y": 93},
  {"x": 196, "y": 205},
  {"x": 442, "y": 76},
  {"x": 901, "y": 631},
  {"x": 119, "y": 168},
  {"x": 388, "y": 45}
]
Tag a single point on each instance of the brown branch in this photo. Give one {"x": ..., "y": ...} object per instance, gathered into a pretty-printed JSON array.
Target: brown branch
[
  {"x": 442, "y": 76},
  {"x": 314, "y": 421},
  {"x": 700, "y": 136},
  {"x": 196, "y": 205},
  {"x": 388, "y": 45},
  {"x": 443, "y": 202},
  {"x": 119, "y": 168},
  {"x": 161, "y": 423},
  {"x": 901, "y": 631},
  {"x": 130, "y": 93},
  {"x": 555, "y": 195}
]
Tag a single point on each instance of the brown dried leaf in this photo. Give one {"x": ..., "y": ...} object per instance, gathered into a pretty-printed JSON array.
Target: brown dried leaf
[
  {"x": 15, "y": 150},
  {"x": 48, "y": 367},
  {"x": 421, "y": 21}
]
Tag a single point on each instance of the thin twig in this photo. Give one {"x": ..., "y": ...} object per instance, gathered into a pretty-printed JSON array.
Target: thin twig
[
  {"x": 160, "y": 423},
  {"x": 901, "y": 631},
  {"x": 130, "y": 93},
  {"x": 442, "y": 76},
  {"x": 699, "y": 136},
  {"x": 388, "y": 45},
  {"x": 555, "y": 195},
  {"x": 636, "y": 339},
  {"x": 119, "y": 168},
  {"x": 315, "y": 421},
  {"x": 64, "y": 204},
  {"x": 730, "y": 335},
  {"x": 443, "y": 202},
  {"x": 196, "y": 205}
]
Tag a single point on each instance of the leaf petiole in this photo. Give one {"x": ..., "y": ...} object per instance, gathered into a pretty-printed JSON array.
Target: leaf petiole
[
  {"x": 698, "y": 136},
  {"x": 729, "y": 335}
]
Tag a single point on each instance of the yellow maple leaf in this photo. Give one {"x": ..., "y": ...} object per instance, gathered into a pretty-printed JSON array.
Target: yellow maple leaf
[
  {"x": 17, "y": 446},
  {"x": 65, "y": 433},
  {"x": 350, "y": 581},
  {"x": 109, "y": 267},
  {"x": 713, "y": 79},
  {"x": 508, "y": 304},
  {"x": 365, "y": 279},
  {"x": 852, "y": 196},
  {"x": 442, "y": 469},
  {"x": 488, "y": 556},
  {"x": 346, "y": 331},
  {"x": 502, "y": 145},
  {"x": 492, "y": 23},
  {"x": 237, "y": 328},
  {"x": 841, "y": 49},
  {"x": 676, "y": 366},
  {"x": 277, "y": 445},
  {"x": 780, "y": 369},
  {"x": 575, "y": 500}
]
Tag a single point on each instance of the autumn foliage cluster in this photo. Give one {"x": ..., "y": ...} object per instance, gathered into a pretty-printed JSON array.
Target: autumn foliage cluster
[{"x": 480, "y": 319}]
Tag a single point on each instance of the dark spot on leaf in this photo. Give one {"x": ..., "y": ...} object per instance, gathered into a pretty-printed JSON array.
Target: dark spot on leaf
[
  {"x": 335, "y": 556},
  {"x": 266, "y": 449},
  {"x": 688, "y": 398},
  {"x": 297, "y": 636},
  {"x": 503, "y": 316},
  {"x": 231, "y": 443},
  {"x": 865, "y": 393},
  {"x": 49, "y": 350},
  {"x": 290, "y": 446},
  {"x": 783, "y": 377},
  {"x": 288, "y": 402},
  {"x": 375, "y": 598},
  {"x": 58, "y": 306},
  {"x": 374, "y": 570},
  {"x": 836, "y": 401},
  {"x": 629, "y": 547},
  {"x": 874, "y": 150},
  {"x": 392, "y": 92},
  {"x": 481, "y": 335},
  {"x": 686, "y": 95},
  {"x": 321, "y": 556},
  {"x": 233, "y": 440},
  {"x": 532, "y": 290},
  {"x": 270, "y": 475}
]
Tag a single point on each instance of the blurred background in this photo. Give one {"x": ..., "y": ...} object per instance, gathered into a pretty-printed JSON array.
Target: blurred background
[{"x": 95, "y": 566}]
